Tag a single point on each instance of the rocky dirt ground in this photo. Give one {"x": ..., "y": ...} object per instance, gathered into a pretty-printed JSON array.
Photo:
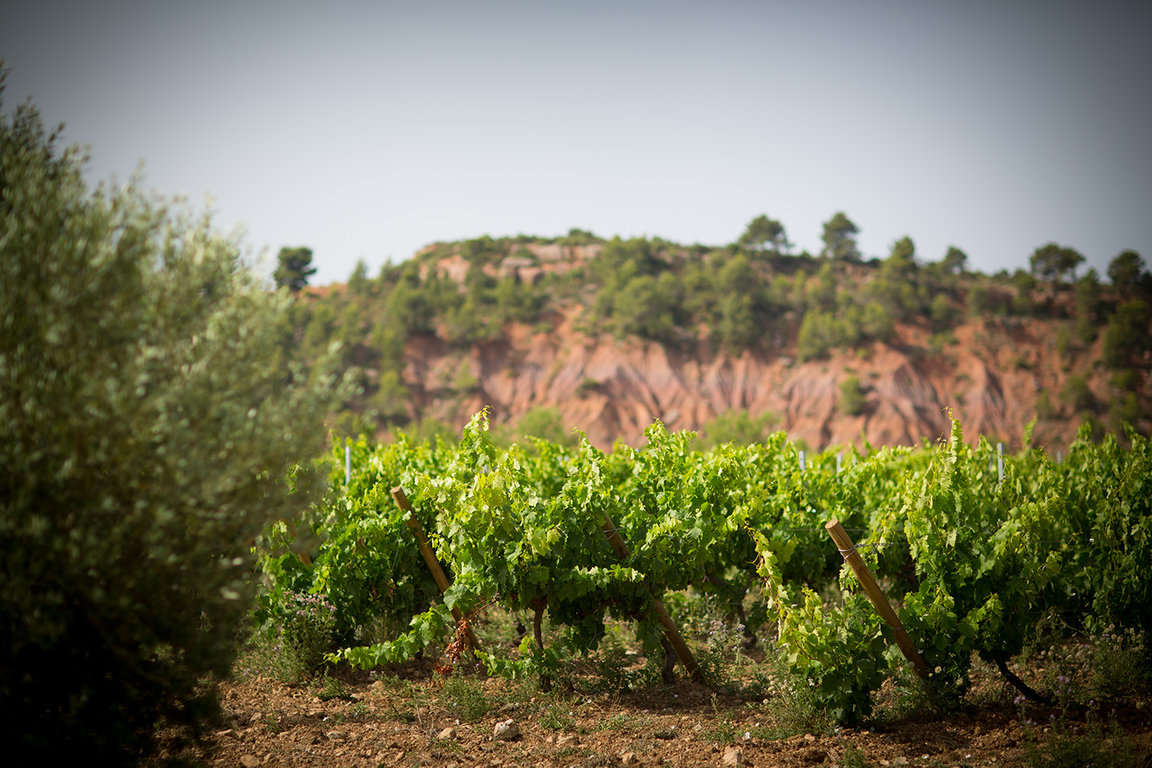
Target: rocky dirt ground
[{"x": 423, "y": 720}]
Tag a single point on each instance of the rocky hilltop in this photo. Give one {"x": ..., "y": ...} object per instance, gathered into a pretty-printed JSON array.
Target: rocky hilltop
[{"x": 996, "y": 370}]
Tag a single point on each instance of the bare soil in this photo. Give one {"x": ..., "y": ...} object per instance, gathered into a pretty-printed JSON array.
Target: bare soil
[{"x": 420, "y": 719}]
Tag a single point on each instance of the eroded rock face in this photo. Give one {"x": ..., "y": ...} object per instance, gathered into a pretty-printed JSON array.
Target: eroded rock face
[{"x": 613, "y": 389}]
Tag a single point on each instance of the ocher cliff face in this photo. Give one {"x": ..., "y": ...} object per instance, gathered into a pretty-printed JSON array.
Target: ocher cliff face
[{"x": 612, "y": 389}]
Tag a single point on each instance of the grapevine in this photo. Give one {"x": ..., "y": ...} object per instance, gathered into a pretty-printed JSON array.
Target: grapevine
[{"x": 972, "y": 560}]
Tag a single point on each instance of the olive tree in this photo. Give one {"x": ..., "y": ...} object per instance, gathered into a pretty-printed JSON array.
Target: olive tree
[{"x": 148, "y": 431}]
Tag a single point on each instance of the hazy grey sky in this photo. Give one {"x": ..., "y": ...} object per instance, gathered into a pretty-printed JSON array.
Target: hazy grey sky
[{"x": 367, "y": 130}]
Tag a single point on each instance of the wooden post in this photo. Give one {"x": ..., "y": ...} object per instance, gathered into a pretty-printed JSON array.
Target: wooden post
[
  {"x": 872, "y": 589},
  {"x": 430, "y": 557},
  {"x": 683, "y": 652}
]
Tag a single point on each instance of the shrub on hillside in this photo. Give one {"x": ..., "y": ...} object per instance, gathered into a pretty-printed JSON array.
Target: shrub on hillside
[
  {"x": 852, "y": 399},
  {"x": 147, "y": 429}
]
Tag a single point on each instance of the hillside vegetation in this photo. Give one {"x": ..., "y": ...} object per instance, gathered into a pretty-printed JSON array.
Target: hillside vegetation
[{"x": 733, "y": 341}]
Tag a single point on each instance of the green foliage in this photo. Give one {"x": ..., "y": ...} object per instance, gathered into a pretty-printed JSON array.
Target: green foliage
[
  {"x": 818, "y": 335},
  {"x": 580, "y": 237},
  {"x": 546, "y": 423},
  {"x": 359, "y": 554},
  {"x": 480, "y": 250},
  {"x": 647, "y": 306},
  {"x": 147, "y": 434},
  {"x": 851, "y": 396},
  {"x": 466, "y": 698},
  {"x": 897, "y": 286},
  {"x": 980, "y": 301},
  {"x": 293, "y": 268},
  {"x": 621, "y": 260},
  {"x": 821, "y": 332},
  {"x": 1055, "y": 262},
  {"x": 1108, "y": 500},
  {"x": 902, "y": 258},
  {"x": 1127, "y": 334},
  {"x": 1079, "y": 395},
  {"x": 1127, "y": 271},
  {"x": 954, "y": 261},
  {"x": 973, "y": 558},
  {"x": 358, "y": 282},
  {"x": 742, "y": 311},
  {"x": 1089, "y": 304},
  {"x": 291, "y": 645},
  {"x": 738, "y": 427},
  {"x": 1022, "y": 301},
  {"x": 307, "y": 626},
  {"x": 839, "y": 652},
  {"x": 876, "y": 323},
  {"x": 1126, "y": 409},
  {"x": 1120, "y": 665},
  {"x": 941, "y": 313},
  {"x": 820, "y": 290},
  {"x": 839, "y": 238},
  {"x": 1077, "y": 748},
  {"x": 981, "y": 562},
  {"x": 764, "y": 233}
]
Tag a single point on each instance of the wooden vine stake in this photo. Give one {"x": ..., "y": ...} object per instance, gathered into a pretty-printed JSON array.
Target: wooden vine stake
[
  {"x": 430, "y": 559},
  {"x": 683, "y": 652},
  {"x": 872, "y": 589}
]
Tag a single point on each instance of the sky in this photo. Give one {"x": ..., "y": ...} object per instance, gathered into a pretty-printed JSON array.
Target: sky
[{"x": 366, "y": 131}]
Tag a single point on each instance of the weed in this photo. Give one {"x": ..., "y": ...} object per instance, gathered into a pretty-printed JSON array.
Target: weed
[
  {"x": 723, "y": 730},
  {"x": 466, "y": 697},
  {"x": 555, "y": 718},
  {"x": 903, "y": 697},
  {"x": 854, "y": 758},
  {"x": 443, "y": 747},
  {"x": 405, "y": 713},
  {"x": 306, "y": 627},
  {"x": 1119, "y": 665},
  {"x": 722, "y": 658},
  {"x": 793, "y": 708},
  {"x": 271, "y": 724},
  {"x": 291, "y": 647},
  {"x": 1091, "y": 745},
  {"x": 612, "y": 663},
  {"x": 331, "y": 689},
  {"x": 621, "y": 721}
]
